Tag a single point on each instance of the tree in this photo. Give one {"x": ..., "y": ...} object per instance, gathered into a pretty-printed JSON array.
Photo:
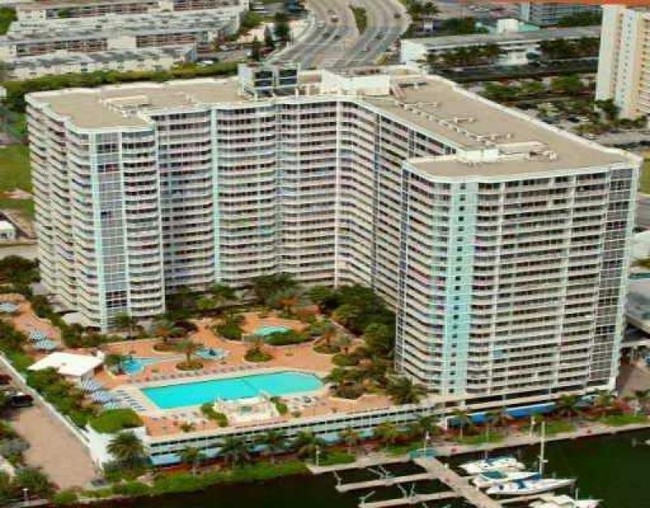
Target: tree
[
  {"x": 192, "y": 457},
  {"x": 571, "y": 84},
  {"x": 115, "y": 362},
  {"x": 127, "y": 449},
  {"x": 567, "y": 406},
  {"x": 403, "y": 391},
  {"x": 327, "y": 334},
  {"x": 324, "y": 297},
  {"x": 379, "y": 339},
  {"x": 265, "y": 287},
  {"x": 425, "y": 425},
  {"x": 463, "y": 420},
  {"x": 387, "y": 433},
  {"x": 274, "y": 442},
  {"x": 351, "y": 438},
  {"x": 35, "y": 481},
  {"x": 643, "y": 398},
  {"x": 7, "y": 489},
  {"x": 269, "y": 43},
  {"x": 306, "y": 443},
  {"x": 234, "y": 451},
  {"x": 256, "y": 50},
  {"x": 344, "y": 342},
  {"x": 346, "y": 313},
  {"x": 165, "y": 329},
  {"x": 281, "y": 29},
  {"x": 205, "y": 304},
  {"x": 497, "y": 418},
  {"x": 123, "y": 321},
  {"x": 222, "y": 294},
  {"x": 604, "y": 402},
  {"x": 188, "y": 348}
]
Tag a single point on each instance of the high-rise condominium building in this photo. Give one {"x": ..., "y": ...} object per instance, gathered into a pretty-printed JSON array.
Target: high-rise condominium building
[
  {"x": 500, "y": 241},
  {"x": 623, "y": 73},
  {"x": 551, "y": 13}
]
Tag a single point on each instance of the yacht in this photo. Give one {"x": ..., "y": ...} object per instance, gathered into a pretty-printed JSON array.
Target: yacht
[
  {"x": 551, "y": 501},
  {"x": 494, "y": 464},
  {"x": 491, "y": 478},
  {"x": 529, "y": 487}
]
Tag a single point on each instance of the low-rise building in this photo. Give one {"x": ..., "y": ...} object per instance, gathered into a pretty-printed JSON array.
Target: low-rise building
[
  {"x": 148, "y": 59},
  {"x": 96, "y": 8},
  {"x": 7, "y": 231},
  {"x": 517, "y": 48}
]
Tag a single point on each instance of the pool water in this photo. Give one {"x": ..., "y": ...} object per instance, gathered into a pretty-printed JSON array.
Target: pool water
[
  {"x": 135, "y": 365},
  {"x": 268, "y": 330},
  {"x": 200, "y": 392}
]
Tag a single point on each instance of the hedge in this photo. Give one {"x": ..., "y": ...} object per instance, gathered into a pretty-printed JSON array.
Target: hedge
[{"x": 115, "y": 420}]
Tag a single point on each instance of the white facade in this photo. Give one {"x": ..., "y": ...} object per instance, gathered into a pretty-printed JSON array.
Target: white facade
[
  {"x": 623, "y": 73},
  {"x": 500, "y": 241},
  {"x": 516, "y": 47},
  {"x": 148, "y": 59},
  {"x": 550, "y": 13}
]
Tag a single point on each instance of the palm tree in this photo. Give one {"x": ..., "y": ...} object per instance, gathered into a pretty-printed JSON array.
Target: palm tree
[
  {"x": 603, "y": 402},
  {"x": 344, "y": 342},
  {"x": 497, "y": 418},
  {"x": 205, "y": 304},
  {"x": 387, "y": 433},
  {"x": 403, "y": 391},
  {"x": 463, "y": 420},
  {"x": 351, "y": 438},
  {"x": 125, "y": 322},
  {"x": 192, "y": 457},
  {"x": 424, "y": 425},
  {"x": 188, "y": 348},
  {"x": 567, "y": 406},
  {"x": 327, "y": 334},
  {"x": 274, "y": 442},
  {"x": 346, "y": 313},
  {"x": 165, "y": 328},
  {"x": 234, "y": 451},
  {"x": 222, "y": 294},
  {"x": 127, "y": 449},
  {"x": 642, "y": 397},
  {"x": 115, "y": 362},
  {"x": 306, "y": 443},
  {"x": 35, "y": 481}
]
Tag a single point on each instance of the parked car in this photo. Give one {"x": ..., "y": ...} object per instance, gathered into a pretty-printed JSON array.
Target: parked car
[
  {"x": 20, "y": 399},
  {"x": 5, "y": 379}
]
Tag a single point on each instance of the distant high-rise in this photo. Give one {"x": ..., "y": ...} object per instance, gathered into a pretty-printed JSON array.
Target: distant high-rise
[
  {"x": 545, "y": 14},
  {"x": 624, "y": 61},
  {"x": 501, "y": 242}
]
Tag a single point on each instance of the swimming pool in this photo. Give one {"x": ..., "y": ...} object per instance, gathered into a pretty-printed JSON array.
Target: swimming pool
[
  {"x": 200, "y": 392},
  {"x": 134, "y": 365},
  {"x": 268, "y": 330}
]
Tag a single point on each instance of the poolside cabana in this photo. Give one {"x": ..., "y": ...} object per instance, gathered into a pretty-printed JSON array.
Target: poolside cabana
[{"x": 73, "y": 366}]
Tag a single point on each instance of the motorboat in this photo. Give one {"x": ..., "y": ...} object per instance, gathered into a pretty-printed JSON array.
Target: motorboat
[
  {"x": 504, "y": 463},
  {"x": 551, "y": 501},
  {"x": 490, "y": 478},
  {"x": 529, "y": 487}
]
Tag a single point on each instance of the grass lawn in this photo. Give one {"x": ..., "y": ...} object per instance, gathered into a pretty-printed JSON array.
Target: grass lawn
[
  {"x": 644, "y": 178},
  {"x": 15, "y": 172}
]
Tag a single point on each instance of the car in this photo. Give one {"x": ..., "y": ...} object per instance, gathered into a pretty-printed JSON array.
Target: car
[
  {"x": 337, "y": 36},
  {"x": 378, "y": 36},
  {"x": 5, "y": 379},
  {"x": 20, "y": 399},
  {"x": 397, "y": 15}
]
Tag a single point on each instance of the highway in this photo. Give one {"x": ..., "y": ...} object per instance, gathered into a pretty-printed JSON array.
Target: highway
[
  {"x": 333, "y": 41},
  {"x": 383, "y": 30}
]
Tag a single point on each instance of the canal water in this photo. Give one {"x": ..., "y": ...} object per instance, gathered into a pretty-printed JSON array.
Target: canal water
[{"x": 615, "y": 469}]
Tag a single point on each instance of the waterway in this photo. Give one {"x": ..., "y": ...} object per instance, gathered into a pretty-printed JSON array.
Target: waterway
[{"x": 612, "y": 468}]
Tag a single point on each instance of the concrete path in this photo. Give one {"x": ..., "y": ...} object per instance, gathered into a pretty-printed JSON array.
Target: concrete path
[{"x": 53, "y": 448}]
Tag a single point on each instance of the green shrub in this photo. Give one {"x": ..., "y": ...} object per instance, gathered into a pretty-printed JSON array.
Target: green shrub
[
  {"x": 131, "y": 489},
  {"x": 257, "y": 354},
  {"x": 115, "y": 420},
  {"x": 229, "y": 330},
  {"x": 282, "y": 408},
  {"x": 342, "y": 360},
  {"x": 209, "y": 412},
  {"x": 286, "y": 338},
  {"x": 20, "y": 360},
  {"x": 336, "y": 457},
  {"x": 65, "y": 497}
]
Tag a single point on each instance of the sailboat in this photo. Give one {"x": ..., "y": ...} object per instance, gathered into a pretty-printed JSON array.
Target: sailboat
[
  {"x": 491, "y": 478},
  {"x": 535, "y": 485},
  {"x": 504, "y": 463},
  {"x": 551, "y": 501}
]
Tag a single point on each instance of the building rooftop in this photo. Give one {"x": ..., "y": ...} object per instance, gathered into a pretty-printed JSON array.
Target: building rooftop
[
  {"x": 68, "y": 364},
  {"x": 101, "y": 57},
  {"x": 432, "y": 104},
  {"x": 109, "y": 26},
  {"x": 547, "y": 34}
]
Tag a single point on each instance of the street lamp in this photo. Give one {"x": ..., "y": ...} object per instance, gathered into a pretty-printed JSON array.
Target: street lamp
[
  {"x": 317, "y": 456},
  {"x": 26, "y": 494}
]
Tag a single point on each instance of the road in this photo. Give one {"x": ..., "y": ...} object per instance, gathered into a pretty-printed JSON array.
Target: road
[
  {"x": 338, "y": 44},
  {"x": 326, "y": 39},
  {"x": 383, "y": 30}
]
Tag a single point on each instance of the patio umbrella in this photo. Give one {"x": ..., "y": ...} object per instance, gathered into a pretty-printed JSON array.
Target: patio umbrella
[
  {"x": 111, "y": 404},
  {"x": 101, "y": 396}
]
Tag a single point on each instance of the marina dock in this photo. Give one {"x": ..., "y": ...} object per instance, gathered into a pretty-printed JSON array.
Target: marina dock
[
  {"x": 384, "y": 482},
  {"x": 415, "y": 499},
  {"x": 375, "y": 459}
]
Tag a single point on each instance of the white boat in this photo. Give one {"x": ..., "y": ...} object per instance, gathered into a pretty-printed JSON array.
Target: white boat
[
  {"x": 529, "y": 487},
  {"x": 551, "y": 501},
  {"x": 490, "y": 478},
  {"x": 493, "y": 464}
]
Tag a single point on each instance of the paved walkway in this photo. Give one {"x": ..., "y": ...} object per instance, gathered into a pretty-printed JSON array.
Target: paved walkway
[{"x": 53, "y": 448}]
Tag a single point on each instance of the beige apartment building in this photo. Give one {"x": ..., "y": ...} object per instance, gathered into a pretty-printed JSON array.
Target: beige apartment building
[{"x": 624, "y": 61}]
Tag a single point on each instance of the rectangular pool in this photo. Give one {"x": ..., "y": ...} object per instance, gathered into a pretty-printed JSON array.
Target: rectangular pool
[{"x": 199, "y": 392}]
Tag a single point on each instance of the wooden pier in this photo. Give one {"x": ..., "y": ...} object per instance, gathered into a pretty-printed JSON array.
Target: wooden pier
[
  {"x": 405, "y": 501},
  {"x": 460, "y": 485},
  {"x": 375, "y": 459},
  {"x": 384, "y": 482}
]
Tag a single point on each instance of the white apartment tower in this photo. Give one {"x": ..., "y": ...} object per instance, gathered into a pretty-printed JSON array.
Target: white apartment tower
[
  {"x": 500, "y": 241},
  {"x": 624, "y": 60}
]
